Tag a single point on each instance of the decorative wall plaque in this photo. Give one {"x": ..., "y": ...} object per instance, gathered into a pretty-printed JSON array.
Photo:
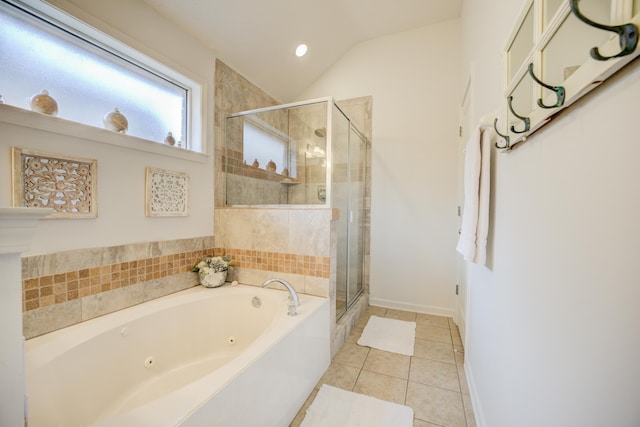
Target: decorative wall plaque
[
  {"x": 46, "y": 180},
  {"x": 167, "y": 193}
]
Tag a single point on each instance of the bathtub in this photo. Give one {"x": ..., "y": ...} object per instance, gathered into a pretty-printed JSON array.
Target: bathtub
[{"x": 228, "y": 356}]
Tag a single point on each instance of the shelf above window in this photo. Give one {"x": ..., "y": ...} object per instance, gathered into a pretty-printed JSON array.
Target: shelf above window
[{"x": 29, "y": 119}]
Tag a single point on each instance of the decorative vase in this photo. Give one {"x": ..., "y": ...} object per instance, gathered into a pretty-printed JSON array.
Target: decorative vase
[
  {"x": 285, "y": 172},
  {"x": 116, "y": 121},
  {"x": 271, "y": 166},
  {"x": 43, "y": 103},
  {"x": 170, "y": 140},
  {"x": 212, "y": 280},
  {"x": 256, "y": 163}
]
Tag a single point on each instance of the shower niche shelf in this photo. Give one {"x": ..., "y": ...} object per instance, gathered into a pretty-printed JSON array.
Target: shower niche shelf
[{"x": 557, "y": 52}]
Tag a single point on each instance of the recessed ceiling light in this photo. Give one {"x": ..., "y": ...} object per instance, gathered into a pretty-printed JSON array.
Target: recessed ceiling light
[{"x": 301, "y": 50}]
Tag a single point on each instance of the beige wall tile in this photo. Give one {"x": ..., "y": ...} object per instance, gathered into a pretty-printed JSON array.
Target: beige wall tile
[
  {"x": 316, "y": 286},
  {"x": 309, "y": 231},
  {"x": 47, "y": 319},
  {"x": 114, "y": 300},
  {"x": 168, "y": 285}
]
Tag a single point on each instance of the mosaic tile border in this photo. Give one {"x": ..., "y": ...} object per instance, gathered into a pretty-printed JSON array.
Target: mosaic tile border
[
  {"x": 307, "y": 265},
  {"x": 47, "y": 290},
  {"x": 52, "y": 289}
]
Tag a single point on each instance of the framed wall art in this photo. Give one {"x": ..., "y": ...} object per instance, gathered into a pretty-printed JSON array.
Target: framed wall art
[
  {"x": 167, "y": 193},
  {"x": 66, "y": 184}
]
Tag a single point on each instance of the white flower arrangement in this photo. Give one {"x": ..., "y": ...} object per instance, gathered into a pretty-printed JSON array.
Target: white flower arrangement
[
  {"x": 212, "y": 271},
  {"x": 214, "y": 264}
]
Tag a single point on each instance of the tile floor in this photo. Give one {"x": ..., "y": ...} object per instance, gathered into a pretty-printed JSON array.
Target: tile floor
[{"x": 432, "y": 381}]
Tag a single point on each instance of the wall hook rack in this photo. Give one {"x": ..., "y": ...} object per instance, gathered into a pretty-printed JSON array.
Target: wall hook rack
[
  {"x": 526, "y": 120},
  {"x": 506, "y": 138},
  {"x": 559, "y": 90},
  {"x": 627, "y": 34}
]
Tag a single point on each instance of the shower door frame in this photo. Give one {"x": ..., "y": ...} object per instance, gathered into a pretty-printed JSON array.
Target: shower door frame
[{"x": 351, "y": 299}]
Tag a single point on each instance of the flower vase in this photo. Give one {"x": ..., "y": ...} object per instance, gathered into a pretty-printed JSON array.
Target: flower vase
[{"x": 212, "y": 279}]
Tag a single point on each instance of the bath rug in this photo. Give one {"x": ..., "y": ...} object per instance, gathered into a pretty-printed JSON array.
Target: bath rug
[
  {"x": 335, "y": 407},
  {"x": 396, "y": 336}
]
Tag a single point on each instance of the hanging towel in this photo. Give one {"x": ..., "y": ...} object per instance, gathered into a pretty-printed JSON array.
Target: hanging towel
[{"x": 475, "y": 218}]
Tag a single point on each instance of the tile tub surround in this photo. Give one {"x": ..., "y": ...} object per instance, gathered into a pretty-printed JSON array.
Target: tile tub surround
[{"x": 65, "y": 288}]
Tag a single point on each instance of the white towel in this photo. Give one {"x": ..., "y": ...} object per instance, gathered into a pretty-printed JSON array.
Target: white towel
[
  {"x": 475, "y": 218},
  {"x": 334, "y": 407},
  {"x": 396, "y": 336}
]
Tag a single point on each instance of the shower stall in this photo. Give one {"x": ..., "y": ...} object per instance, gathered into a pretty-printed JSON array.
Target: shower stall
[{"x": 305, "y": 154}]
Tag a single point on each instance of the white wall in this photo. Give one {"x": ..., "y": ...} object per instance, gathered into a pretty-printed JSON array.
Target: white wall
[
  {"x": 121, "y": 171},
  {"x": 554, "y": 326},
  {"x": 413, "y": 78}
]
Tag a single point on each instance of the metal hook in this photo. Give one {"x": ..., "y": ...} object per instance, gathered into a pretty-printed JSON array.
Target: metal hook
[
  {"x": 559, "y": 90},
  {"x": 526, "y": 120},
  {"x": 627, "y": 34},
  {"x": 505, "y": 137}
]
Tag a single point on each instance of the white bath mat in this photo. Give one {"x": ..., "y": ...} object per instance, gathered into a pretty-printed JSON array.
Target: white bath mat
[
  {"x": 396, "y": 336},
  {"x": 334, "y": 407}
]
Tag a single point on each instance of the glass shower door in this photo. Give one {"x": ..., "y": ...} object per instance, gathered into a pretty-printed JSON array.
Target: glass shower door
[
  {"x": 348, "y": 153},
  {"x": 357, "y": 163},
  {"x": 340, "y": 201}
]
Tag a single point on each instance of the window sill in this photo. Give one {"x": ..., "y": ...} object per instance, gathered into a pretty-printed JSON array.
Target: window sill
[{"x": 29, "y": 119}]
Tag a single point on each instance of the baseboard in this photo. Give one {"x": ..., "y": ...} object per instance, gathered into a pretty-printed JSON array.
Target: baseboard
[
  {"x": 473, "y": 394},
  {"x": 418, "y": 308}
]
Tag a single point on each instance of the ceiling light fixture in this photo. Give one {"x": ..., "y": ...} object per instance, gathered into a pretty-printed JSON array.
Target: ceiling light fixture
[{"x": 301, "y": 50}]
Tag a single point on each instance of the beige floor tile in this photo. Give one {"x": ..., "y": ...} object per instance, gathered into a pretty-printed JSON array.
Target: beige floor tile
[
  {"x": 407, "y": 316},
  {"x": 376, "y": 311},
  {"x": 341, "y": 376},
  {"x": 384, "y": 362},
  {"x": 303, "y": 411},
  {"x": 433, "y": 333},
  {"x": 468, "y": 411},
  {"x": 354, "y": 335},
  {"x": 455, "y": 337},
  {"x": 436, "y": 405},
  {"x": 362, "y": 322},
  {"x": 432, "y": 320},
  {"x": 381, "y": 386},
  {"x": 352, "y": 355},
  {"x": 432, "y": 372},
  {"x": 434, "y": 350},
  {"x": 464, "y": 387},
  {"x": 420, "y": 423}
]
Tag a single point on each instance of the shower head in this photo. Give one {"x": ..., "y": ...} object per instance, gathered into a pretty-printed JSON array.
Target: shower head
[{"x": 321, "y": 132}]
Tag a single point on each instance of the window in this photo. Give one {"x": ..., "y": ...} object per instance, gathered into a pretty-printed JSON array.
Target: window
[
  {"x": 90, "y": 74},
  {"x": 264, "y": 146}
]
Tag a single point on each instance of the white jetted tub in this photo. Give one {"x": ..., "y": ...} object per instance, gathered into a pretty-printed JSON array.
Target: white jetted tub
[{"x": 200, "y": 357}]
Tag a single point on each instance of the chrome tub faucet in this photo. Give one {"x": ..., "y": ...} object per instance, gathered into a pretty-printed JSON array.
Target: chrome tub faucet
[{"x": 294, "y": 301}]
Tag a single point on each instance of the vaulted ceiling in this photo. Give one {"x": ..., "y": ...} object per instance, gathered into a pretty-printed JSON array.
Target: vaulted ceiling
[{"x": 258, "y": 37}]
